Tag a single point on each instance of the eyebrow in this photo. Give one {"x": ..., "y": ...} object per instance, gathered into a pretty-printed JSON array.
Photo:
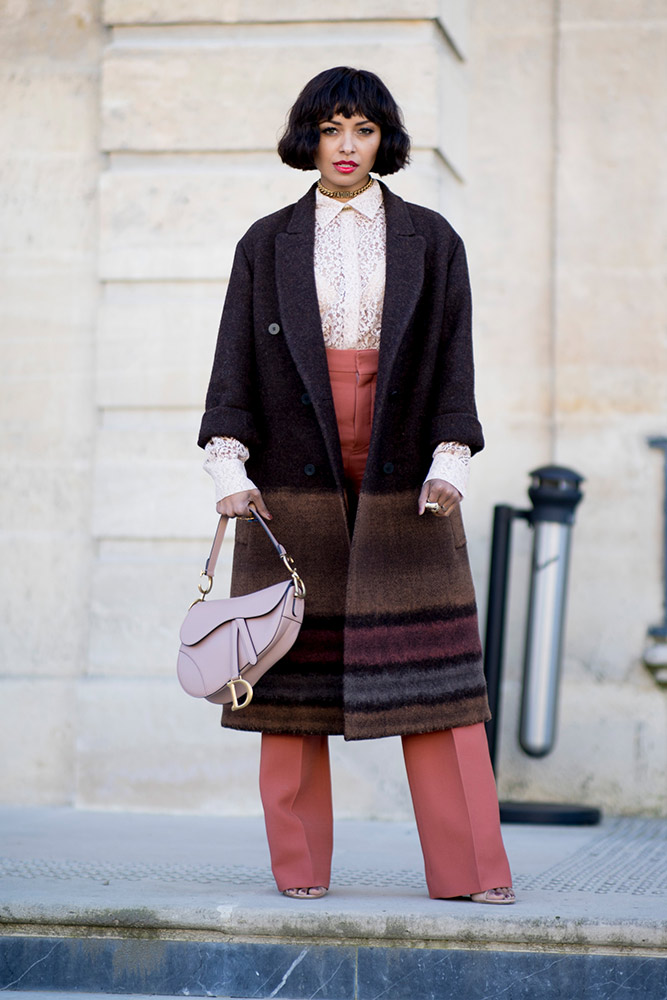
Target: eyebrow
[{"x": 337, "y": 121}]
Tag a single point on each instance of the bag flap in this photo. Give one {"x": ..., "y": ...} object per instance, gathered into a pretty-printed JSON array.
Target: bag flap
[{"x": 205, "y": 616}]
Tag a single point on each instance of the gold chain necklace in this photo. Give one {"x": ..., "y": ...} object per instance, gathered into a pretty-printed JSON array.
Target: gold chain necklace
[{"x": 344, "y": 194}]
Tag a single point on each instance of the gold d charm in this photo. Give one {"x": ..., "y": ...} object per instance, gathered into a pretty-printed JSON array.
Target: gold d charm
[{"x": 247, "y": 690}]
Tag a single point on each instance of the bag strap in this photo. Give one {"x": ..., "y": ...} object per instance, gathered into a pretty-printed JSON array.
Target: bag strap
[{"x": 212, "y": 560}]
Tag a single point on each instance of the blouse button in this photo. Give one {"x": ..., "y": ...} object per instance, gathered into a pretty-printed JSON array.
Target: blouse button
[
  {"x": 388, "y": 468},
  {"x": 274, "y": 329},
  {"x": 309, "y": 469},
  {"x": 305, "y": 399}
]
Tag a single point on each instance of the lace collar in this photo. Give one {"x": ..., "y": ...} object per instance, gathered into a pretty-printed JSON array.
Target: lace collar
[{"x": 367, "y": 204}]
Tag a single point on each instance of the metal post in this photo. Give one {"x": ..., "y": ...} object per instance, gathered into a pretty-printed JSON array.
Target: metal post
[{"x": 555, "y": 494}]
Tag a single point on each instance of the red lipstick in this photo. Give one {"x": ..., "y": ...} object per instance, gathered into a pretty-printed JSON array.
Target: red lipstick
[{"x": 346, "y": 166}]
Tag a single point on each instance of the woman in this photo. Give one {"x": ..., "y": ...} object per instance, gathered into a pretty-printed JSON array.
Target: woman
[{"x": 343, "y": 383}]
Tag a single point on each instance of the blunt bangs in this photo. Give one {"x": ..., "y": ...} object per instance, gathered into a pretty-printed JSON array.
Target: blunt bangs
[{"x": 347, "y": 92}]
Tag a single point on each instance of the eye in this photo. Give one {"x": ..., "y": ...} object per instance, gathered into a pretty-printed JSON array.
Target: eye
[
  {"x": 328, "y": 130},
  {"x": 367, "y": 131}
]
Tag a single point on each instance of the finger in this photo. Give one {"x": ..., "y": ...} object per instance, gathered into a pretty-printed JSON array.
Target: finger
[
  {"x": 235, "y": 505},
  {"x": 448, "y": 505},
  {"x": 447, "y": 502},
  {"x": 452, "y": 507},
  {"x": 257, "y": 499},
  {"x": 238, "y": 510},
  {"x": 423, "y": 497},
  {"x": 448, "y": 497}
]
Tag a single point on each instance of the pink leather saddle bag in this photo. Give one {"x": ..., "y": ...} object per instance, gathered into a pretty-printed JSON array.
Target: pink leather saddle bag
[{"x": 229, "y": 644}]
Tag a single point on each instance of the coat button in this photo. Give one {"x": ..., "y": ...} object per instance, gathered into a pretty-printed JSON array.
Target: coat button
[
  {"x": 309, "y": 469},
  {"x": 388, "y": 468},
  {"x": 274, "y": 329},
  {"x": 305, "y": 399}
]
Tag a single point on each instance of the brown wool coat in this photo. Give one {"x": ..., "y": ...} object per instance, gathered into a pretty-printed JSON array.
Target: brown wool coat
[{"x": 390, "y": 643}]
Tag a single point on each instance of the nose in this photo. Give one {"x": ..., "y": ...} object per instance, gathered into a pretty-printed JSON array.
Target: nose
[{"x": 347, "y": 142}]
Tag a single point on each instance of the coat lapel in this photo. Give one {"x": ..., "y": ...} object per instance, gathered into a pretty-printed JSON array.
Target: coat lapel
[
  {"x": 300, "y": 316},
  {"x": 297, "y": 295},
  {"x": 403, "y": 288}
]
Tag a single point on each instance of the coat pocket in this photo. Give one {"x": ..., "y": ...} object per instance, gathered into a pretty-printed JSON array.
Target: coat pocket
[{"x": 456, "y": 524}]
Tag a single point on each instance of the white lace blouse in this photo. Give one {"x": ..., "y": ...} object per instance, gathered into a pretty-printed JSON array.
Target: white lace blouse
[{"x": 350, "y": 253}]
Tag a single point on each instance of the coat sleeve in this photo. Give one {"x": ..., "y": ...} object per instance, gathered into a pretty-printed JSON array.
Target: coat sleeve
[
  {"x": 229, "y": 411},
  {"x": 454, "y": 410}
]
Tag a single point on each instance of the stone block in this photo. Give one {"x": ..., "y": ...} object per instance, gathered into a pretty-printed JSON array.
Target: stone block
[
  {"x": 67, "y": 33},
  {"x": 231, "y": 12},
  {"x": 181, "y": 219},
  {"x": 451, "y": 13},
  {"x": 510, "y": 136},
  {"x": 45, "y": 582},
  {"x": 610, "y": 749},
  {"x": 131, "y": 636},
  {"x": 610, "y": 13},
  {"x": 611, "y": 145},
  {"x": 510, "y": 17},
  {"x": 368, "y": 779},
  {"x": 455, "y": 20},
  {"x": 229, "y": 88},
  {"x": 46, "y": 376},
  {"x": 46, "y": 421},
  {"x": 610, "y": 319},
  {"x": 37, "y": 740},
  {"x": 144, "y": 744},
  {"x": 48, "y": 108},
  {"x": 125, "y": 965},
  {"x": 148, "y": 480},
  {"x": 428, "y": 181},
  {"x": 62, "y": 313},
  {"x": 615, "y": 588},
  {"x": 41, "y": 229},
  {"x": 48, "y": 496},
  {"x": 508, "y": 199},
  {"x": 155, "y": 343}
]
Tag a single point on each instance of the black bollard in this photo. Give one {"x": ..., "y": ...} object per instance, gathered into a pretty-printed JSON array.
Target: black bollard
[{"x": 555, "y": 493}]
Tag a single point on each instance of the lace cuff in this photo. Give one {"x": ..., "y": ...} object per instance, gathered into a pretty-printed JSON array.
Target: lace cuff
[
  {"x": 451, "y": 462},
  {"x": 225, "y": 458}
]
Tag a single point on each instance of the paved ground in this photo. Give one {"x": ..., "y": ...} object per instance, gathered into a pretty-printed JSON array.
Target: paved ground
[{"x": 603, "y": 887}]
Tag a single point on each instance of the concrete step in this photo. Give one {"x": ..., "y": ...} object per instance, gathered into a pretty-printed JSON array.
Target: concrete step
[{"x": 146, "y": 905}]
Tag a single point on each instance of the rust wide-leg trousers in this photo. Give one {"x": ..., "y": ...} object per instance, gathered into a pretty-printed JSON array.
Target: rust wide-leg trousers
[{"x": 449, "y": 772}]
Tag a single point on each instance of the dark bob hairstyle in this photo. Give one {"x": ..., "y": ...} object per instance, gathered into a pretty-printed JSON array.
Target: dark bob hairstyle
[{"x": 347, "y": 92}]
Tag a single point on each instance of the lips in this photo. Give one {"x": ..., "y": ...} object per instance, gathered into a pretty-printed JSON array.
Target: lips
[{"x": 346, "y": 166}]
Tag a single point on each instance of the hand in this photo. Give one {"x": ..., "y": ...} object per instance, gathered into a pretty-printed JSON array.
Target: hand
[
  {"x": 442, "y": 493},
  {"x": 236, "y": 505}
]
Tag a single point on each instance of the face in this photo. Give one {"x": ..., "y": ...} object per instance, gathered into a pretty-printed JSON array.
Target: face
[{"x": 347, "y": 151}]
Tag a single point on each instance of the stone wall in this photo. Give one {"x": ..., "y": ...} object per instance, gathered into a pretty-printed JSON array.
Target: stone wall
[
  {"x": 49, "y": 168},
  {"x": 140, "y": 140},
  {"x": 566, "y": 213}
]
